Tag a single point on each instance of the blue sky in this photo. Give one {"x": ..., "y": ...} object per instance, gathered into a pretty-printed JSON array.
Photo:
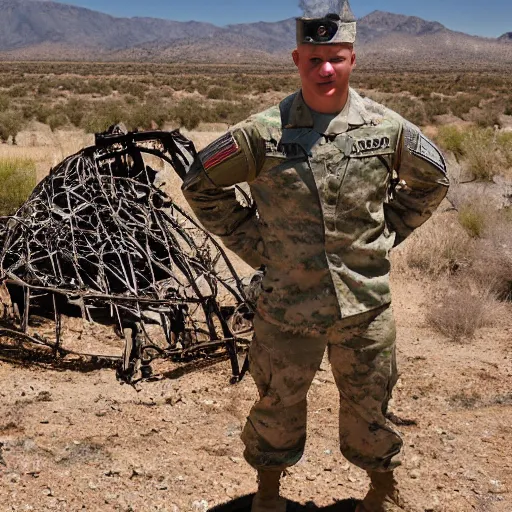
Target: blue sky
[{"x": 489, "y": 18}]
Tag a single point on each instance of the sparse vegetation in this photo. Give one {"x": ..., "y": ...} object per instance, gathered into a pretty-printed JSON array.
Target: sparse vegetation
[
  {"x": 484, "y": 152},
  {"x": 67, "y": 93},
  {"x": 473, "y": 219},
  {"x": 468, "y": 254},
  {"x": 18, "y": 178},
  {"x": 483, "y": 156},
  {"x": 451, "y": 138},
  {"x": 441, "y": 248},
  {"x": 462, "y": 308}
]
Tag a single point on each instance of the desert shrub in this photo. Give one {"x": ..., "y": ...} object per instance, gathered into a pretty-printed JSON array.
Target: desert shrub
[
  {"x": 147, "y": 116},
  {"x": 504, "y": 142},
  {"x": 439, "y": 247},
  {"x": 473, "y": 219},
  {"x": 89, "y": 86},
  {"x": 220, "y": 93},
  {"x": 261, "y": 86},
  {"x": 56, "y": 120},
  {"x": 75, "y": 110},
  {"x": 451, "y": 138},
  {"x": 481, "y": 155},
  {"x": 18, "y": 178},
  {"x": 188, "y": 113},
  {"x": 462, "y": 308},
  {"x": 38, "y": 110},
  {"x": 103, "y": 114},
  {"x": 435, "y": 107},
  {"x": 18, "y": 91},
  {"x": 130, "y": 87},
  {"x": 43, "y": 88},
  {"x": 231, "y": 112},
  {"x": 462, "y": 103},
  {"x": 486, "y": 117},
  {"x": 492, "y": 269},
  {"x": 10, "y": 124},
  {"x": 410, "y": 108},
  {"x": 4, "y": 102}
]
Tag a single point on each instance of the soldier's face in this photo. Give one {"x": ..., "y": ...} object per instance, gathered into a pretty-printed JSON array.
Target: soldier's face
[{"x": 324, "y": 72}]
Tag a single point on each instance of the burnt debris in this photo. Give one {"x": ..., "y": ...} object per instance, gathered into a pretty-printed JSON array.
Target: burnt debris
[{"x": 98, "y": 240}]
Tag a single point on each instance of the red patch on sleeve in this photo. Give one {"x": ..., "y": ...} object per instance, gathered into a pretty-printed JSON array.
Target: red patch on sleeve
[{"x": 218, "y": 151}]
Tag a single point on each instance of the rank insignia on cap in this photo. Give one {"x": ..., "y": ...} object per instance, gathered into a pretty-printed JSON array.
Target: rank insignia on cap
[{"x": 218, "y": 151}]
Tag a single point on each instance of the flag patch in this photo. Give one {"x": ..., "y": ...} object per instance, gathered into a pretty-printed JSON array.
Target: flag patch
[{"x": 219, "y": 151}]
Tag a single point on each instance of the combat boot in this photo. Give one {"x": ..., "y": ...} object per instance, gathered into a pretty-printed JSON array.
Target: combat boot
[
  {"x": 383, "y": 495},
  {"x": 267, "y": 498}
]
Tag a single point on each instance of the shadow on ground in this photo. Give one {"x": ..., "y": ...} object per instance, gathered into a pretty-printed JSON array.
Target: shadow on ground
[{"x": 243, "y": 504}]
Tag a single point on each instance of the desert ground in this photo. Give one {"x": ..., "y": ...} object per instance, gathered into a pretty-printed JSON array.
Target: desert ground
[{"x": 75, "y": 439}]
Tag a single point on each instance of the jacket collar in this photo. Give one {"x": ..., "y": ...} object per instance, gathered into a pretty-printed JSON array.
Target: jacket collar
[{"x": 353, "y": 114}]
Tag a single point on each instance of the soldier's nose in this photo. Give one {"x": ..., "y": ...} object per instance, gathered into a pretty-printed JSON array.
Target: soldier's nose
[{"x": 326, "y": 70}]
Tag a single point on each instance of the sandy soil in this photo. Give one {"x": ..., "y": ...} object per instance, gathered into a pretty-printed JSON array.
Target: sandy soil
[
  {"x": 79, "y": 440},
  {"x": 82, "y": 441}
]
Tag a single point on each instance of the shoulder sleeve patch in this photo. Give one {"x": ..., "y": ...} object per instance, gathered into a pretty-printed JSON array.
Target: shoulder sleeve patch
[
  {"x": 420, "y": 146},
  {"x": 219, "y": 151}
]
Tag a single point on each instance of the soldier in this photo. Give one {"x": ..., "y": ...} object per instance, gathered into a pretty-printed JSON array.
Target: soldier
[{"x": 337, "y": 181}]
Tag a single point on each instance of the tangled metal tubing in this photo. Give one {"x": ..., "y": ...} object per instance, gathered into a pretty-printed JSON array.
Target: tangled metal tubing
[{"x": 98, "y": 240}]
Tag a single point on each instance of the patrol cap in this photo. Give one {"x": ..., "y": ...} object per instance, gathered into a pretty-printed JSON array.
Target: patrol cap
[{"x": 326, "y": 22}]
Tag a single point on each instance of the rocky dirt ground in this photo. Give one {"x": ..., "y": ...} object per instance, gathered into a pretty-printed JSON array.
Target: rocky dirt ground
[
  {"x": 75, "y": 440},
  {"x": 79, "y": 440}
]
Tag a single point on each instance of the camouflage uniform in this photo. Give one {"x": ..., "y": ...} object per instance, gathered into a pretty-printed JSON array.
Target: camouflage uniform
[{"x": 328, "y": 209}]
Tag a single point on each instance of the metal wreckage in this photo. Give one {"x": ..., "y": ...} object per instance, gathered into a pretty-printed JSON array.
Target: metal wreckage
[{"x": 97, "y": 239}]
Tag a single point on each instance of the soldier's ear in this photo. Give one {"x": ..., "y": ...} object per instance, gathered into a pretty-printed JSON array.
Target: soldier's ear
[{"x": 295, "y": 57}]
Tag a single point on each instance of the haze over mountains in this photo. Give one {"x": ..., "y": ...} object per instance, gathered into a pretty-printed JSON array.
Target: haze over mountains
[{"x": 40, "y": 29}]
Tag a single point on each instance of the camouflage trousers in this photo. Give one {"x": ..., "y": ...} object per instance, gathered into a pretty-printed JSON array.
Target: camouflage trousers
[{"x": 361, "y": 351}]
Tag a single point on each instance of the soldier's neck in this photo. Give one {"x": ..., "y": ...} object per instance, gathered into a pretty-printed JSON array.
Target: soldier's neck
[{"x": 326, "y": 105}]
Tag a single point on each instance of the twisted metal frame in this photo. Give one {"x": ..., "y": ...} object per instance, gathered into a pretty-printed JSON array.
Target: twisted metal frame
[{"x": 98, "y": 239}]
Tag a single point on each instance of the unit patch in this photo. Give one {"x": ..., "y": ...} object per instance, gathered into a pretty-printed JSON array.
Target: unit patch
[
  {"x": 422, "y": 147},
  {"x": 218, "y": 151},
  {"x": 362, "y": 146}
]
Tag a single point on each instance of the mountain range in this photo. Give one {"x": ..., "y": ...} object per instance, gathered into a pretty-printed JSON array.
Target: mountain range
[{"x": 46, "y": 30}]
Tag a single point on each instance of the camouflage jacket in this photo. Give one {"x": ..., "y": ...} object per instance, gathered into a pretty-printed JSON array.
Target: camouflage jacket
[{"x": 328, "y": 207}]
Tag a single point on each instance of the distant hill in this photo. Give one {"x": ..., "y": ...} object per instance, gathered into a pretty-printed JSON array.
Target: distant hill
[
  {"x": 506, "y": 37},
  {"x": 46, "y": 30},
  {"x": 27, "y": 23}
]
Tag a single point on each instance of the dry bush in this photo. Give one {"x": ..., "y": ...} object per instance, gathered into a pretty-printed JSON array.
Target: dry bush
[
  {"x": 103, "y": 114},
  {"x": 220, "y": 93},
  {"x": 411, "y": 109},
  {"x": 485, "y": 152},
  {"x": 504, "y": 142},
  {"x": 463, "y": 307},
  {"x": 188, "y": 113},
  {"x": 439, "y": 247},
  {"x": 486, "y": 117},
  {"x": 461, "y": 104},
  {"x": 18, "y": 179},
  {"x": 435, "y": 106},
  {"x": 490, "y": 227},
  {"x": 57, "y": 120},
  {"x": 10, "y": 124},
  {"x": 492, "y": 269},
  {"x": 451, "y": 138},
  {"x": 493, "y": 254},
  {"x": 473, "y": 217},
  {"x": 4, "y": 102},
  {"x": 482, "y": 155}
]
